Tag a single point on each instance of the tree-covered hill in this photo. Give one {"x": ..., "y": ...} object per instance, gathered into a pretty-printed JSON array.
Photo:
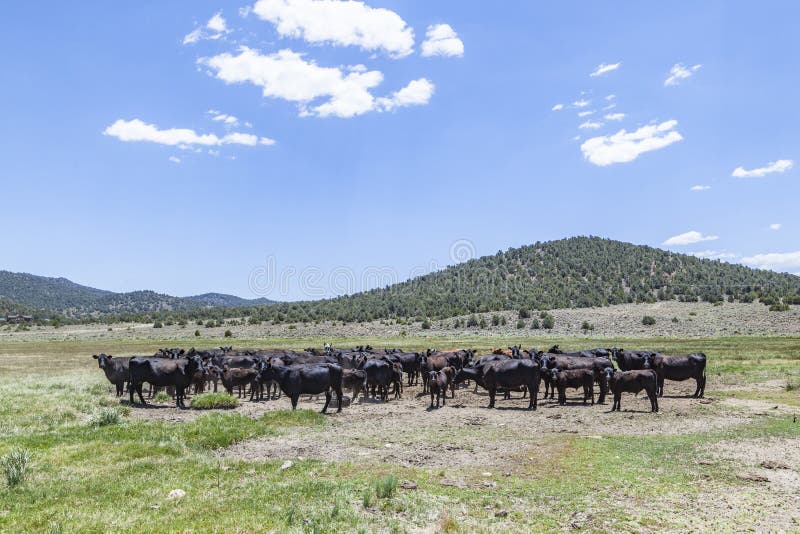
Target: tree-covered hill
[{"x": 574, "y": 272}]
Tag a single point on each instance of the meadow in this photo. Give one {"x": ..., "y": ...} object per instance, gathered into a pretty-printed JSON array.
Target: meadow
[{"x": 97, "y": 464}]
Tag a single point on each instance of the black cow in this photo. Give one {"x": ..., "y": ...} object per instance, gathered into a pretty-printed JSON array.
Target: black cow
[
  {"x": 438, "y": 382},
  {"x": 116, "y": 370},
  {"x": 308, "y": 379},
  {"x": 573, "y": 378},
  {"x": 633, "y": 382},
  {"x": 563, "y": 363},
  {"x": 508, "y": 374},
  {"x": 631, "y": 360},
  {"x": 379, "y": 376},
  {"x": 163, "y": 372},
  {"x": 681, "y": 367}
]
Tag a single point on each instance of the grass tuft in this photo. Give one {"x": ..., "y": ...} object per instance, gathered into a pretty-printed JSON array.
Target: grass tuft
[
  {"x": 162, "y": 398},
  {"x": 290, "y": 418},
  {"x": 105, "y": 417},
  {"x": 15, "y": 466},
  {"x": 792, "y": 383},
  {"x": 385, "y": 487},
  {"x": 212, "y": 401}
]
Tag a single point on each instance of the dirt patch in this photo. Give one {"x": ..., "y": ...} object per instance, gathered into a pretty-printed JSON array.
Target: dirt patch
[{"x": 775, "y": 461}]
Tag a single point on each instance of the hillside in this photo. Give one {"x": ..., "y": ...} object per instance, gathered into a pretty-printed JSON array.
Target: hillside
[
  {"x": 576, "y": 272},
  {"x": 26, "y": 292}
]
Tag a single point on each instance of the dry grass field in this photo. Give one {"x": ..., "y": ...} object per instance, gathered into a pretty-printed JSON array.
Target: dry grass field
[{"x": 727, "y": 462}]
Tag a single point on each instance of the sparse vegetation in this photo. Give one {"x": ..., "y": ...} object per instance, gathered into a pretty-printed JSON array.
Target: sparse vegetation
[
  {"x": 104, "y": 417},
  {"x": 648, "y": 320},
  {"x": 15, "y": 465},
  {"x": 211, "y": 401}
]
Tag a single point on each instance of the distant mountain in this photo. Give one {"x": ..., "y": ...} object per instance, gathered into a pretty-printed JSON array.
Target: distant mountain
[
  {"x": 64, "y": 297},
  {"x": 230, "y": 301}
]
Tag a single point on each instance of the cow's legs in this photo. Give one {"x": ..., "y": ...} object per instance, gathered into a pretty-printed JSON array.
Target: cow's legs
[
  {"x": 295, "y": 398},
  {"x": 328, "y": 399},
  {"x": 492, "y": 393}
]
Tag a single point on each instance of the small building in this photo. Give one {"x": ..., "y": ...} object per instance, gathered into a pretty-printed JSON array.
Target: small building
[{"x": 16, "y": 318}]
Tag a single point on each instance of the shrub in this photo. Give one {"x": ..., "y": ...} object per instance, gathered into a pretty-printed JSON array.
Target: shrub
[
  {"x": 211, "y": 401},
  {"x": 792, "y": 383},
  {"x": 209, "y": 324},
  {"x": 15, "y": 466},
  {"x": 385, "y": 487},
  {"x": 779, "y": 307},
  {"x": 535, "y": 324},
  {"x": 495, "y": 320},
  {"x": 548, "y": 322},
  {"x": 197, "y": 333},
  {"x": 367, "y": 497},
  {"x": 482, "y": 324},
  {"x": 520, "y": 323},
  {"x": 472, "y": 321},
  {"x": 426, "y": 324},
  {"x": 675, "y": 320},
  {"x": 586, "y": 326},
  {"x": 158, "y": 324},
  {"x": 524, "y": 313},
  {"x": 503, "y": 321},
  {"x": 228, "y": 333},
  {"x": 648, "y": 320},
  {"x": 292, "y": 327}
]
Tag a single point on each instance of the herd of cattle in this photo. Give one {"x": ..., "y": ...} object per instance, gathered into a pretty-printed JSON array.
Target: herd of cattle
[{"x": 381, "y": 373}]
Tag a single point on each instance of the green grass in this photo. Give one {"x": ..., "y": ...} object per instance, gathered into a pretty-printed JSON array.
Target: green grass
[
  {"x": 209, "y": 401},
  {"x": 91, "y": 471}
]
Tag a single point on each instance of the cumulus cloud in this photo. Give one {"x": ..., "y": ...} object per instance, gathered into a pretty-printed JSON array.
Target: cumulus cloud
[
  {"x": 775, "y": 226},
  {"x": 714, "y": 255},
  {"x": 348, "y": 23},
  {"x": 228, "y": 120},
  {"x": 442, "y": 40},
  {"x": 776, "y": 261},
  {"x": 689, "y": 238},
  {"x": 557, "y": 107},
  {"x": 624, "y": 146},
  {"x": 602, "y": 68},
  {"x": 321, "y": 91},
  {"x": 217, "y": 26},
  {"x": 416, "y": 93},
  {"x": 782, "y": 165},
  {"x": 581, "y": 103},
  {"x": 585, "y": 113},
  {"x": 614, "y": 116},
  {"x": 184, "y": 138},
  {"x": 175, "y": 159},
  {"x": 611, "y": 97},
  {"x": 679, "y": 73},
  {"x": 590, "y": 125},
  {"x": 700, "y": 188}
]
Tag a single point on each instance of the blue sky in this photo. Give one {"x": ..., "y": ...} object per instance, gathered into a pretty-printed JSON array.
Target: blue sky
[{"x": 198, "y": 146}]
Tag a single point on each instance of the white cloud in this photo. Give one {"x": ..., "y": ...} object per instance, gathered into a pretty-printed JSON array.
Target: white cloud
[
  {"x": 320, "y": 91},
  {"x": 183, "y": 138},
  {"x": 590, "y": 125},
  {"x": 689, "y": 238},
  {"x": 442, "y": 40},
  {"x": 623, "y": 146},
  {"x": 602, "y": 68},
  {"x": 700, "y": 188},
  {"x": 614, "y": 116},
  {"x": 714, "y": 255},
  {"x": 610, "y": 106},
  {"x": 348, "y": 23},
  {"x": 416, "y": 93},
  {"x": 775, "y": 226},
  {"x": 581, "y": 103},
  {"x": 557, "y": 107},
  {"x": 782, "y": 165},
  {"x": 678, "y": 73},
  {"x": 216, "y": 24},
  {"x": 776, "y": 261},
  {"x": 175, "y": 159},
  {"x": 227, "y": 119},
  {"x": 585, "y": 113},
  {"x": 611, "y": 97}
]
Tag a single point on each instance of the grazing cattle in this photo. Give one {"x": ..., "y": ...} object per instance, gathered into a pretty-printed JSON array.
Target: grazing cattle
[
  {"x": 310, "y": 379},
  {"x": 631, "y": 360},
  {"x": 411, "y": 365},
  {"x": 163, "y": 372},
  {"x": 116, "y": 370},
  {"x": 379, "y": 376},
  {"x": 508, "y": 374},
  {"x": 438, "y": 383},
  {"x": 633, "y": 382},
  {"x": 563, "y": 363},
  {"x": 237, "y": 377},
  {"x": 355, "y": 380},
  {"x": 573, "y": 378},
  {"x": 681, "y": 367},
  {"x": 397, "y": 379}
]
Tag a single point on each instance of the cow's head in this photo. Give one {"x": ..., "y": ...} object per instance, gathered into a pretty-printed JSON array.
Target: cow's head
[
  {"x": 608, "y": 374},
  {"x": 554, "y": 375},
  {"x": 194, "y": 363},
  {"x": 102, "y": 360},
  {"x": 648, "y": 361}
]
